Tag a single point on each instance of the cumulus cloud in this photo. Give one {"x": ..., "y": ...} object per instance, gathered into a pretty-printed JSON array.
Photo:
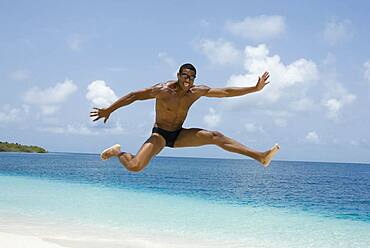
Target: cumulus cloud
[
  {"x": 367, "y": 70},
  {"x": 50, "y": 98},
  {"x": 70, "y": 129},
  {"x": 258, "y": 28},
  {"x": 212, "y": 119},
  {"x": 334, "y": 105},
  {"x": 336, "y": 97},
  {"x": 9, "y": 114},
  {"x": 336, "y": 32},
  {"x": 312, "y": 137},
  {"x": 289, "y": 81},
  {"x": 53, "y": 95},
  {"x": 219, "y": 52},
  {"x": 100, "y": 94}
]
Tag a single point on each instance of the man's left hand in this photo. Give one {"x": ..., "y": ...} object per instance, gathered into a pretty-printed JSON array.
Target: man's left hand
[{"x": 262, "y": 81}]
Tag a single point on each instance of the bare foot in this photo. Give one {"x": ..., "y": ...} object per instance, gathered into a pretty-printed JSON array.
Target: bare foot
[
  {"x": 265, "y": 161},
  {"x": 110, "y": 152}
]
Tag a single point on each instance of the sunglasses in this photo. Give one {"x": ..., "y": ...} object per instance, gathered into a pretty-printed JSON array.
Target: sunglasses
[{"x": 186, "y": 76}]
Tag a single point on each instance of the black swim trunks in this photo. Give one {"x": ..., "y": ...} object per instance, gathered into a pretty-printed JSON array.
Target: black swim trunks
[{"x": 169, "y": 136}]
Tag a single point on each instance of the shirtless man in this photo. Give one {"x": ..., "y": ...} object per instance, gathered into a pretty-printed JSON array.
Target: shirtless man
[{"x": 173, "y": 100}]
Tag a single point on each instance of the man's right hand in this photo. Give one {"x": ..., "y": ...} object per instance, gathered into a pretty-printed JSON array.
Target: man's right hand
[{"x": 100, "y": 113}]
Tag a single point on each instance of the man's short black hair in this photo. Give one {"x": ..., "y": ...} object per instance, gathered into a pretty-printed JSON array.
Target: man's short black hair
[{"x": 188, "y": 66}]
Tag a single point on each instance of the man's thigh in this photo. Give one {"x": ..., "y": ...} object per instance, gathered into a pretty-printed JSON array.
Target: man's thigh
[
  {"x": 193, "y": 137},
  {"x": 152, "y": 146}
]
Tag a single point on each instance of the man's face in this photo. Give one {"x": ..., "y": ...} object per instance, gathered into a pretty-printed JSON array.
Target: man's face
[{"x": 186, "y": 79}]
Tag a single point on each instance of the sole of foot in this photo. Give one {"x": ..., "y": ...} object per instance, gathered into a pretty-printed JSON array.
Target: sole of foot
[
  {"x": 110, "y": 152},
  {"x": 269, "y": 154}
]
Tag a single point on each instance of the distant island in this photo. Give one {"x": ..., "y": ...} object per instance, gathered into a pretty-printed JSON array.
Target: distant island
[{"x": 15, "y": 147}]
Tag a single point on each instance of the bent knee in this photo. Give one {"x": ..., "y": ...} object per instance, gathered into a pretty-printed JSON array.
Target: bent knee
[
  {"x": 134, "y": 169},
  {"x": 215, "y": 137},
  {"x": 135, "y": 166}
]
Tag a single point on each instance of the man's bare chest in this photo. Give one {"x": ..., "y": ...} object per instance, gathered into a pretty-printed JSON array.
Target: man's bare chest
[{"x": 175, "y": 103}]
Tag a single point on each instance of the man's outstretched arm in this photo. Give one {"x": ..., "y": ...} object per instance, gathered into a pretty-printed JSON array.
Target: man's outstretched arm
[
  {"x": 144, "y": 94},
  {"x": 238, "y": 91}
]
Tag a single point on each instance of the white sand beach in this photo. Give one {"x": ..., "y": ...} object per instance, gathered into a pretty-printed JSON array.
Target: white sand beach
[
  {"x": 8, "y": 240},
  {"x": 26, "y": 232}
]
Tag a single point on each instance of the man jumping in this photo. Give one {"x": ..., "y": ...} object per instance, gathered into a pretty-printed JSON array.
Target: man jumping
[{"x": 173, "y": 101}]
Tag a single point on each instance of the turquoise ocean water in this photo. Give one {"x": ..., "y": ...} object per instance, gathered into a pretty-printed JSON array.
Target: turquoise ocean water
[{"x": 185, "y": 202}]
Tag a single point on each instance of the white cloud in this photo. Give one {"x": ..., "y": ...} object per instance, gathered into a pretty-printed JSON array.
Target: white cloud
[
  {"x": 84, "y": 130},
  {"x": 58, "y": 130},
  {"x": 219, "y": 52},
  {"x": 212, "y": 119},
  {"x": 258, "y": 28},
  {"x": 49, "y": 96},
  {"x": 80, "y": 130},
  {"x": 289, "y": 81},
  {"x": 70, "y": 129},
  {"x": 166, "y": 59},
  {"x": 312, "y": 137},
  {"x": 337, "y": 32},
  {"x": 99, "y": 94},
  {"x": 49, "y": 99},
  {"x": 334, "y": 105},
  {"x": 10, "y": 114},
  {"x": 367, "y": 70},
  {"x": 336, "y": 98}
]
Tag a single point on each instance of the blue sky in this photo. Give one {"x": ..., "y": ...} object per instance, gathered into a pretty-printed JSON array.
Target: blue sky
[{"x": 58, "y": 59}]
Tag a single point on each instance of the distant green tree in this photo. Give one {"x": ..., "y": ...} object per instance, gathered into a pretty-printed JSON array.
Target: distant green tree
[{"x": 15, "y": 147}]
